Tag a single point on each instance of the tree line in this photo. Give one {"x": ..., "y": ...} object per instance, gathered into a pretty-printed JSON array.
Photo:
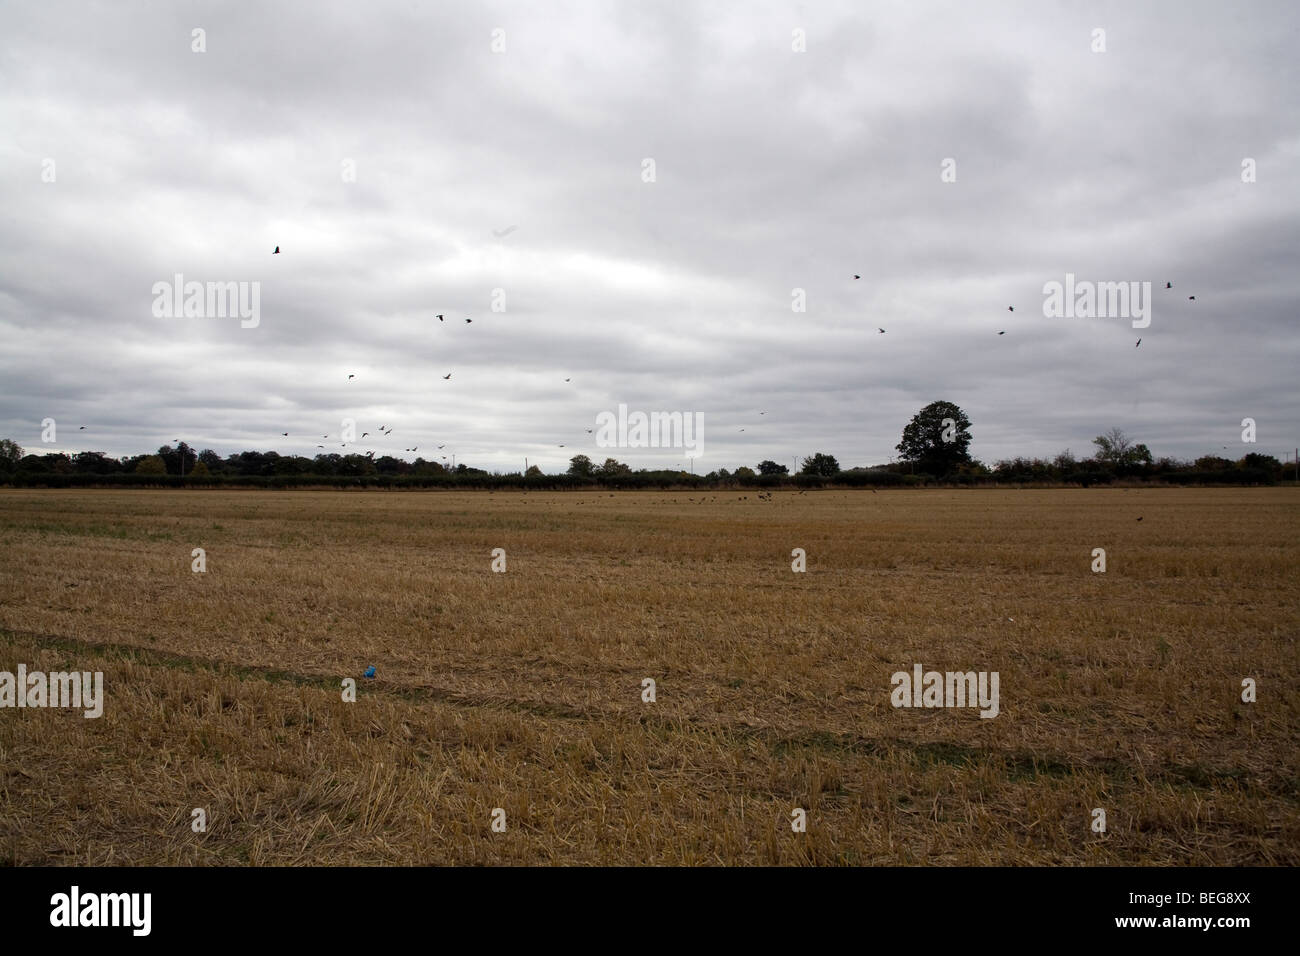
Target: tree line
[{"x": 934, "y": 449}]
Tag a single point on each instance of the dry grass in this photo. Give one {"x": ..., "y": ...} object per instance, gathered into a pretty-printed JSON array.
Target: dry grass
[{"x": 523, "y": 690}]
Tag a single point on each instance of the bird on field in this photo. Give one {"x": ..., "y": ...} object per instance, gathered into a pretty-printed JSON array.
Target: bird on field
[
  {"x": 277, "y": 251},
  {"x": 1139, "y": 519}
]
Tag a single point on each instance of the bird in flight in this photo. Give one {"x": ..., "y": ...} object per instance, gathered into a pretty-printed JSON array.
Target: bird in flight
[
  {"x": 561, "y": 446},
  {"x": 502, "y": 233},
  {"x": 82, "y": 428},
  {"x": 447, "y": 376},
  {"x": 443, "y": 445},
  {"x": 880, "y": 330},
  {"x": 588, "y": 431},
  {"x": 1139, "y": 342},
  {"x": 277, "y": 251},
  {"x": 1003, "y": 332},
  {"x": 364, "y": 434},
  {"x": 351, "y": 377},
  {"x": 1191, "y": 298},
  {"x": 468, "y": 321},
  {"x": 1169, "y": 285},
  {"x": 857, "y": 277},
  {"x": 1011, "y": 308},
  {"x": 285, "y": 434},
  {"x": 439, "y": 316},
  {"x": 320, "y": 446}
]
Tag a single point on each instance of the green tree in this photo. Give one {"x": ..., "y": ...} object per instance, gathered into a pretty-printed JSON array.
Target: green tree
[
  {"x": 580, "y": 466},
  {"x": 151, "y": 465},
  {"x": 1119, "y": 451},
  {"x": 11, "y": 453},
  {"x": 937, "y": 439},
  {"x": 611, "y": 468},
  {"x": 824, "y": 466},
  {"x": 770, "y": 467},
  {"x": 200, "y": 470}
]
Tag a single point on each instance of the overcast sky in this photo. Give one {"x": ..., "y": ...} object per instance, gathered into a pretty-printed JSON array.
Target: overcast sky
[{"x": 775, "y": 170}]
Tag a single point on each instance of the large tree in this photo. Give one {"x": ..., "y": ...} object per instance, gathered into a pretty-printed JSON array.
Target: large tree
[
  {"x": 11, "y": 453},
  {"x": 580, "y": 466},
  {"x": 937, "y": 439},
  {"x": 1119, "y": 451},
  {"x": 770, "y": 467},
  {"x": 823, "y": 466}
]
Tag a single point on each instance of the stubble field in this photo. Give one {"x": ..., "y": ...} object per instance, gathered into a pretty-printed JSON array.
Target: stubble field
[{"x": 523, "y": 690}]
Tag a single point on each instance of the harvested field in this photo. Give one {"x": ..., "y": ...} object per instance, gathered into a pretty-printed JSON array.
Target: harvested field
[{"x": 522, "y": 690}]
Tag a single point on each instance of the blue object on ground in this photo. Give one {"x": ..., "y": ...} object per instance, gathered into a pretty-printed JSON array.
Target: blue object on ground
[{"x": 370, "y": 672}]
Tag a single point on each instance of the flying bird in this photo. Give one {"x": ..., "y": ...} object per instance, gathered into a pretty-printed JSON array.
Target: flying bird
[
  {"x": 1139, "y": 342},
  {"x": 468, "y": 321},
  {"x": 501, "y": 234},
  {"x": 566, "y": 379},
  {"x": 447, "y": 376},
  {"x": 1191, "y": 298},
  {"x": 439, "y": 316},
  {"x": 277, "y": 251},
  {"x": 82, "y": 428},
  {"x": 1169, "y": 285},
  {"x": 350, "y": 377},
  {"x": 1011, "y": 308},
  {"x": 320, "y": 446},
  {"x": 443, "y": 445},
  {"x": 882, "y": 331},
  {"x": 364, "y": 434},
  {"x": 285, "y": 434},
  {"x": 857, "y": 277},
  {"x": 588, "y": 431},
  {"x": 561, "y": 446},
  {"x": 1003, "y": 332}
]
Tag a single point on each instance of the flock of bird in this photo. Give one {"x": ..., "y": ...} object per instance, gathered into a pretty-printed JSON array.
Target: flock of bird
[{"x": 441, "y": 317}]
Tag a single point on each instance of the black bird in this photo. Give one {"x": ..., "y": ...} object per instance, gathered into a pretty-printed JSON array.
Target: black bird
[
  {"x": 1011, "y": 308},
  {"x": 324, "y": 436},
  {"x": 882, "y": 331},
  {"x": 277, "y": 251},
  {"x": 443, "y": 445},
  {"x": 350, "y": 377},
  {"x": 857, "y": 277},
  {"x": 416, "y": 448},
  {"x": 588, "y": 431},
  {"x": 1139, "y": 342},
  {"x": 447, "y": 376},
  {"x": 1003, "y": 332},
  {"x": 561, "y": 446},
  {"x": 566, "y": 379},
  {"x": 1191, "y": 298},
  {"x": 285, "y": 434},
  {"x": 1139, "y": 519},
  {"x": 1169, "y": 285},
  {"x": 439, "y": 316},
  {"x": 82, "y": 428},
  {"x": 320, "y": 446},
  {"x": 364, "y": 434}
]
